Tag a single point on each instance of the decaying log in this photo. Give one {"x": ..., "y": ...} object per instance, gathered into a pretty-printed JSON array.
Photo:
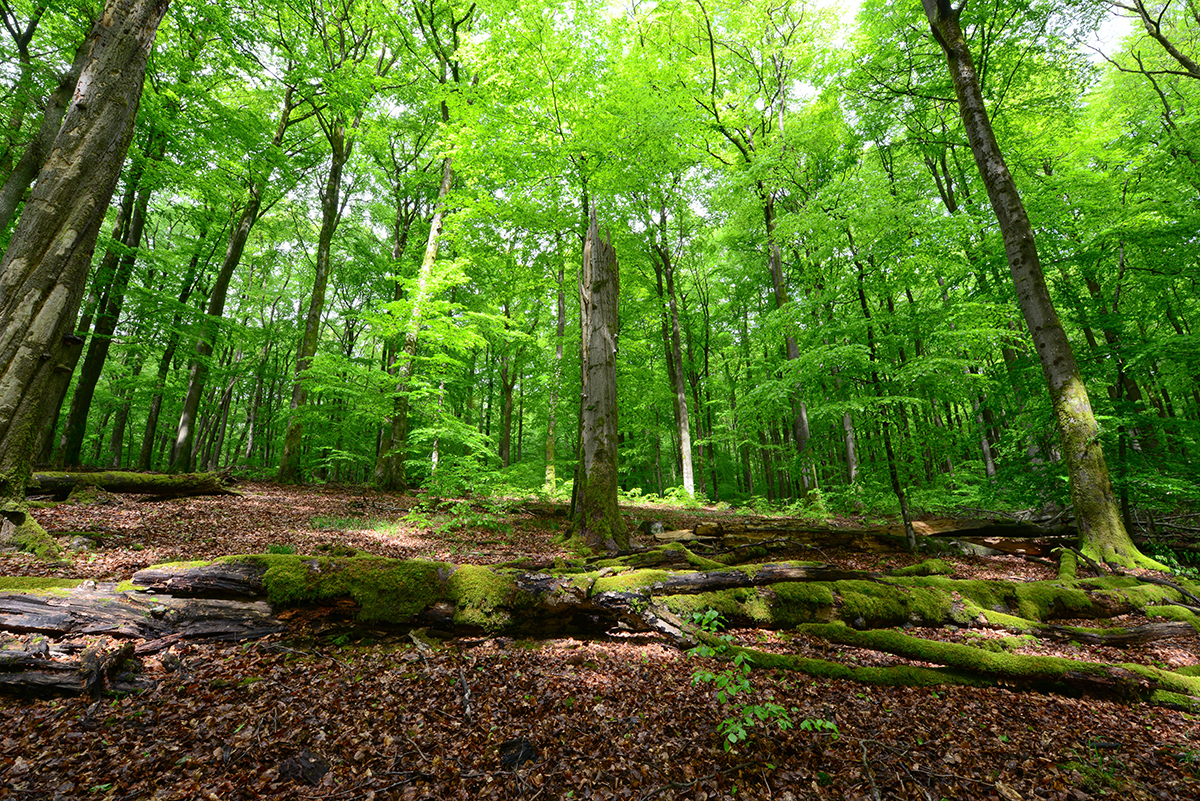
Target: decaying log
[
  {"x": 159, "y": 620},
  {"x": 1119, "y": 638},
  {"x": 693, "y": 583},
  {"x": 134, "y": 615},
  {"x": 1009, "y": 537},
  {"x": 219, "y": 580},
  {"x": 157, "y": 485}
]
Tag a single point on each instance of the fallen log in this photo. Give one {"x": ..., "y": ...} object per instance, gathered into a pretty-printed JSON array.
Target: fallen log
[
  {"x": 134, "y": 615},
  {"x": 1118, "y": 638},
  {"x": 158, "y": 485}
]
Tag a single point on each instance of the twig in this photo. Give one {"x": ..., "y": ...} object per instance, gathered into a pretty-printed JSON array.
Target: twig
[
  {"x": 694, "y": 782},
  {"x": 314, "y": 652},
  {"x": 870, "y": 773},
  {"x": 466, "y": 691}
]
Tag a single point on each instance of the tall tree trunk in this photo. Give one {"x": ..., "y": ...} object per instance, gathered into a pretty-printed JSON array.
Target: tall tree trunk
[
  {"x": 664, "y": 270},
  {"x": 884, "y": 418},
  {"x": 389, "y": 467},
  {"x": 1102, "y": 533},
  {"x": 597, "y": 520},
  {"x": 560, "y": 332},
  {"x": 146, "y": 454},
  {"x": 181, "y": 449},
  {"x": 800, "y": 429},
  {"x": 331, "y": 213},
  {"x": 44, "y": 271}
]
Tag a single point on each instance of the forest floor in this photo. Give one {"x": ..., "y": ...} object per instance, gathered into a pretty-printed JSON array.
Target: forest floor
[{"x": 335, "y": 712}]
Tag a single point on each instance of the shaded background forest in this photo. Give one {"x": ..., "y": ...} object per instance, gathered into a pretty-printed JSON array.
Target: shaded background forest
[{"x": 807, "y": 257}]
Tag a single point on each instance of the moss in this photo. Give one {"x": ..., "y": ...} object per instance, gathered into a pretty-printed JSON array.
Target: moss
[
  {"x": 1040, "y": 600},
  {"x": 630, "y": 580},
  {"x": 900, "y": 676},
  {"x": 1068, "y": 565},
  {"x": 188, "y": 565},
  {"x": 871, "y": 604},
  {"x": 387, "y": 590},
  {"x": 35, "y": 584},
  {"x": 1007, "y": 666},
  {"x": 742, "y": 605},
  {"x": 930, "y": 567},
  {"x": 999, "y": 644},
  {"x": 1174, "y": 613},
  {"x": 30, "y": 537},
  {"x": 127, "y": 586},
  {"x": 482, "y": 597}
]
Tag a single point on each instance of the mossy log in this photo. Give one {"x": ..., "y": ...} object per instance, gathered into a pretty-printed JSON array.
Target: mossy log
[
  {"x": 158, "y": 485},
  {"x": 820, "y": 599},
  {"x": 1007, "y": 536}
]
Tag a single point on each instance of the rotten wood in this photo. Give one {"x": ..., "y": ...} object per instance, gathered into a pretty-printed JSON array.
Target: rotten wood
[{"x": 157, "y": 485}]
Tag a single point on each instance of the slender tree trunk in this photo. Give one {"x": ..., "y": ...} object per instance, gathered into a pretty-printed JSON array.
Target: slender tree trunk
[
  {"x": 43, "y": 273},
  {"x": 884, "y": 418},
  {"x": 26, "y": 170},
  {"x": 1099, "y": 519},
  {"x": 146, "y": 454},
  {"x": 560, "y": 332},
  {"x": 181, "y": 449},
  {"x": 106, "y": 325},
  {"x": 664, "y": 270},
  {"x": 389, "y": 467},
  {"x": 331, "y": 213}
]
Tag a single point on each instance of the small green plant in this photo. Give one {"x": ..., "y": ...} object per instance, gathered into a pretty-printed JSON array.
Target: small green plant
[
  {"x": 734, "y": 683},
  {"x": 281, "y": 548}
]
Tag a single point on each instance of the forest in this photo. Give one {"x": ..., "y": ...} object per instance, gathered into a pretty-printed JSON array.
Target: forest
[
  {"x": 809, "y": 264},
  {"x": 414, "y": 293}
]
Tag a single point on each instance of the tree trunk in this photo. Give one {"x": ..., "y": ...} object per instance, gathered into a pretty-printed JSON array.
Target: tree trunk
[
  {"x": 157, "y": 484},
  {"x": 43, "y": 273},
  {"x": 106, "y": 325},
  {"x": 1101, "y": 531},
  {"x": 664, "y": 270},
  {"x": 389, "y": 467},
  {"x": 21, "y": 178},
  {"x": 181, "y": 450},
  {"x": 331, "y": 214},
  {"x": 597, "y": 520},
  {"x": 551, "y": 482}
]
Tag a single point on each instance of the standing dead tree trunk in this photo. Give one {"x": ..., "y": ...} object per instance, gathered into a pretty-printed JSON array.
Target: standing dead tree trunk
[
  {"x": 597, "y": 520},
  {"x": 42, "y": 275},
  {"x": 1102, "y": 533}
]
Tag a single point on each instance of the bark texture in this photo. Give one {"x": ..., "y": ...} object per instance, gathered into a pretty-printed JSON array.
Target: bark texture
[
  {"x": 598, "y": 521},
  {"x": 1101, "y": 530},
  {"x": 43, "y": 272}
]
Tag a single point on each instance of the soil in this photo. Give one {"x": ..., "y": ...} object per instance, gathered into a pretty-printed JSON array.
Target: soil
[{"x": 331, "y": 711}]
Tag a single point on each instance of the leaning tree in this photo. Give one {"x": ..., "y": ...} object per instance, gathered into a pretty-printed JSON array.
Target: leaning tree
[
  {"x": 43, "y": 272},
  {"x": 1101, "y": 530}
]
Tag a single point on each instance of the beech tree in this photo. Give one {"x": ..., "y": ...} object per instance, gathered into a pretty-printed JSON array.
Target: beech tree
[
  {"x": 43, "y": 271},
  {"x": 1101, "y": 529}
]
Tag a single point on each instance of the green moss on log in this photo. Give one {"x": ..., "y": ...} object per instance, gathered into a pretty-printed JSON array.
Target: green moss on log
[
  {"x": 34, "y": 585},
  {"x": 482, "y": 597},
  {"x": 386, "y": 590}
]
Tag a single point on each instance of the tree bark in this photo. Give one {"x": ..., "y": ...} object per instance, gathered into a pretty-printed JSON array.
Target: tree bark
[
  {"x": 597, "y": 521},
  {"x": 331, "y": 214},
  {"x": 42, "y": 275},
  {"x": 21, "y": 178},
  {"x": 1101, "y": 531}
]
